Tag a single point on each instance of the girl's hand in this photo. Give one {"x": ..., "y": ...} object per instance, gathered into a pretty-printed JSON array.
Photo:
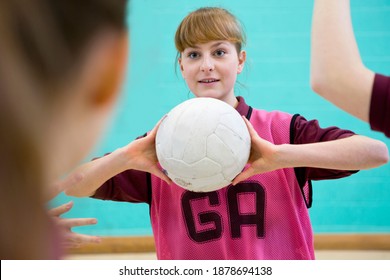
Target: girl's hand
[
  {"x": 142, "y": 155},
  {"x": 262, "y": 156}
]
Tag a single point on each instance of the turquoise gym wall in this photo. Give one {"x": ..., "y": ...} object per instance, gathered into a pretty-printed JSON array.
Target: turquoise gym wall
[{"x": 276, "y": 77}]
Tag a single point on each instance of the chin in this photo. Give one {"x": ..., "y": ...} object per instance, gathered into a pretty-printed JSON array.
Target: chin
[{"x": 209, "y": 93}]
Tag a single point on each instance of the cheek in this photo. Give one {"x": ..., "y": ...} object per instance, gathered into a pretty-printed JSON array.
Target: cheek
[
  {"x": 188, "y": 71},
  {"x": 189, "y": 75},
  {"x": 231, "y": 73},
  {"x": 87, "y": 134},
  {"x": 95, "y": 129}
]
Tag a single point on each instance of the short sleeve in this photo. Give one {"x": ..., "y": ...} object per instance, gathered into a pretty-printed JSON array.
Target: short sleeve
[
  {"x": 380, "y": 105},
  {"x": 130, "y": 186},
  {"x": 306, "y": 132}
]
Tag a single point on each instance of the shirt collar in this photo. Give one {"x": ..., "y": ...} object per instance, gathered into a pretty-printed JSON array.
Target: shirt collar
[{"x": 242, "y": 107}]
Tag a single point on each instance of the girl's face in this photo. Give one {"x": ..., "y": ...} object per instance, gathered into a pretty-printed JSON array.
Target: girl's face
[{"x": 210, "y": 69}]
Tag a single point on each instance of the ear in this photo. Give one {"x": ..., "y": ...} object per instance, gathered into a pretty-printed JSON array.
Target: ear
[
  {"x": 179, "y": 60},
  {"x": 241, "y": 61},
  {"x": 104, "y": 68}
]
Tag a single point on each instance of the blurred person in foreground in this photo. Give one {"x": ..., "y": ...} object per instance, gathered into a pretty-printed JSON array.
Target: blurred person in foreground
[{"x": 61, "y": 65}]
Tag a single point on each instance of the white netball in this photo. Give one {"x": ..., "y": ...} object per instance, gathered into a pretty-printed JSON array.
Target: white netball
[{"x": 202, "y": 144}]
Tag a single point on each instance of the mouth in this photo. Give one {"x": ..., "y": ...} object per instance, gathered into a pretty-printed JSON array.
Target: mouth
[{"x": 208, "y": 81}]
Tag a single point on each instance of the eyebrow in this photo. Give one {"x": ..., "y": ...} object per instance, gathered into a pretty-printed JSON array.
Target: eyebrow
[{"x": 217, "y": 44}]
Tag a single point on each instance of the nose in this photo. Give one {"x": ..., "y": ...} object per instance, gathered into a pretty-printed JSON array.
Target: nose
[{"x": 207, "y": 64}]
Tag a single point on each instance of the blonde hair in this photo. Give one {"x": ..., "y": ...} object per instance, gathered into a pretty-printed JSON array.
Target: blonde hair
[{"x": 209, "y": 24}]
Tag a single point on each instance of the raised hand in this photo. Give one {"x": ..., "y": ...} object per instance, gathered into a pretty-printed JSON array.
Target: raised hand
[{"x": 71, "y": 239}]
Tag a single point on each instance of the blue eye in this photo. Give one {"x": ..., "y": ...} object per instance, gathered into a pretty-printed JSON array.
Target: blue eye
[
  {"x": 193, "y": 55},
  {"x": 219, "y": 53}
]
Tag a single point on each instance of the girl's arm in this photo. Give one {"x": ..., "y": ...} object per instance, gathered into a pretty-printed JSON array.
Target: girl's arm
[
  {"x": 139, "y": 154},
  {"x": 351, "y": 153},
  {"x": 337, "y": 71}
]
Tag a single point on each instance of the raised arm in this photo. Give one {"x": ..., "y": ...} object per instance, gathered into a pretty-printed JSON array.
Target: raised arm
[
  {"x": 139, "y": 154},
  {"x": 352, "y": 153},
  {"x": 337, "y": 71}
]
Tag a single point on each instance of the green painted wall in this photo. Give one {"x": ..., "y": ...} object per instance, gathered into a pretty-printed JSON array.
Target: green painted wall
[{"x": 276, "y": 77}]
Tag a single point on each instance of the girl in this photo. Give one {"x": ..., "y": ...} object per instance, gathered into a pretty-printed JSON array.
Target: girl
[
  {"x": 264, "y": 216},
  {"x": 60, "y": 66}
]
